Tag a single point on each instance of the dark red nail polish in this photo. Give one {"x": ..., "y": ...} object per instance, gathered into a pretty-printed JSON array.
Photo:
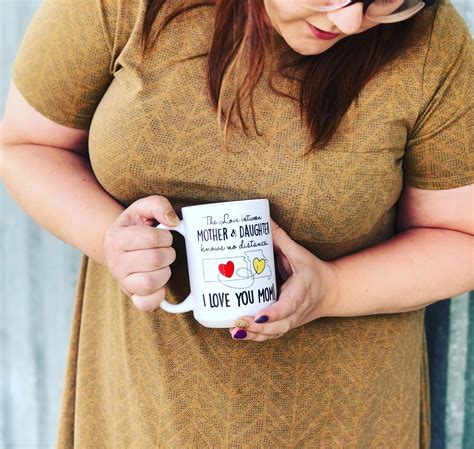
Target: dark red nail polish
[
  {"x": 240, "y": 334},
  {"x": 262, "y": 319}
]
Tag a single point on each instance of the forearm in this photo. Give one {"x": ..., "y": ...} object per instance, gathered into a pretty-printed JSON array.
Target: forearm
[
  {"x": 407, "y": 272},
  {"x": 58, "y": 189}
]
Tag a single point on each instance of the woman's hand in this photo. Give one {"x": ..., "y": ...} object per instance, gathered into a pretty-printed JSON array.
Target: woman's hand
[
  {"x": 138, "y": 254},
  {"x": 310, "y": 284}
]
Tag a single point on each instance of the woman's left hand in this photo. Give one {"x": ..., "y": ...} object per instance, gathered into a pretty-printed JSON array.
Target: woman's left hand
[{"x": 310, "y": 284}]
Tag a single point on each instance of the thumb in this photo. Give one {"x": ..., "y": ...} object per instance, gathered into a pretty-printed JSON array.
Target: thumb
[
  {"x": 146, "y": 210},
  {"x": 282, "y": 242}
]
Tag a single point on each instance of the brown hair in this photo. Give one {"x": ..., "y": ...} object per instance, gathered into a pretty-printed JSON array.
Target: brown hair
[{"x": 328, "y": 82}]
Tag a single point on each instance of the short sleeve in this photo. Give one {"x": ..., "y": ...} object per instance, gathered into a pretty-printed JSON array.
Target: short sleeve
[
  {"x": 63, "y": 66},
  {"x": 439, "y": 151}
]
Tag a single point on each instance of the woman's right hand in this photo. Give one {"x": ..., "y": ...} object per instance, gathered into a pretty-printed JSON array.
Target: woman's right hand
[{"x": 139, "y": 255}]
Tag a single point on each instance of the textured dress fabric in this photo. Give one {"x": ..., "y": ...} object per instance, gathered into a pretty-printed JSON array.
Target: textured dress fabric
[{"x": 148, "y": 380}]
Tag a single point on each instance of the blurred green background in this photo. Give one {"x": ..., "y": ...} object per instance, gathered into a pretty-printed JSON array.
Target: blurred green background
[{"x": 37, "y": 282}]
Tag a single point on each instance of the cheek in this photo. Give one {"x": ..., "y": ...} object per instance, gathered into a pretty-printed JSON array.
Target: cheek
[{"x": 285, "y": 13}]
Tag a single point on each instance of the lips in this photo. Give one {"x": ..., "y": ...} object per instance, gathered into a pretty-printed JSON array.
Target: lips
[{"x": 321, "y": 34}]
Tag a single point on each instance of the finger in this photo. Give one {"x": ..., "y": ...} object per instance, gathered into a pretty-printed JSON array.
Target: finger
[
  {"x": 144, "y": 284},
  {"x": 245, "y": 335},
  {"x": 283, "y": 266},
  {"x": 245, "y": 323},
  {"x": 279, "y": 317},
  {"x": 274, "y": 328},
  {"x": 267, "y": 329},
  {"x": 146, "y": 260},
  {"x": 289, "y": 298},
  {"x": 283, "y": 243},
  {"x": 153, "y": 207},
  {"x": 133, "y": 238},
  {"x": 248, "y": 324},
  {"x": 149, "y": 302}
]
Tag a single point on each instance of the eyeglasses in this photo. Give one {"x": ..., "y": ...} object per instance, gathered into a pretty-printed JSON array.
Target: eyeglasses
[{"x": 379, "y": 11}]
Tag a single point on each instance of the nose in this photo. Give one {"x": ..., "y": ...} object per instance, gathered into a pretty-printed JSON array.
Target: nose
[{"x": 349, "y": 19}]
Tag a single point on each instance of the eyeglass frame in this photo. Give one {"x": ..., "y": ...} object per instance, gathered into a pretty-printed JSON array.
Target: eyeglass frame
[{"x": 366, "y": 4}]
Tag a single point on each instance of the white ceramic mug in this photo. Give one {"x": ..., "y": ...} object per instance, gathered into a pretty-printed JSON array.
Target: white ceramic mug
[{"x": 231, "y": 266}]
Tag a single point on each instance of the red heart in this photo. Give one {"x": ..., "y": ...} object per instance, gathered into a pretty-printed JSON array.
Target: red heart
[{"x": 227, "y": 269}]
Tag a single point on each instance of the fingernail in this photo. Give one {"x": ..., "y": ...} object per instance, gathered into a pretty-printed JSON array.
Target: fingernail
[
  {"x": 242, "y": 323},
  {"x": 172, "y": 217},
  {"x": 262, "y": 319},
  {"x": 240, "y": 334},
  {"x": 140, "y": 304}
]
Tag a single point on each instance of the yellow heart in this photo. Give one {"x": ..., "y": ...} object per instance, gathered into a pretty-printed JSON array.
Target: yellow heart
[{"x": 258, "y": 265}]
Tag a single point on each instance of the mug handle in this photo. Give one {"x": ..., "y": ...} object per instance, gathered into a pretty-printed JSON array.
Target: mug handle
[{"x": 187, "y": 304}]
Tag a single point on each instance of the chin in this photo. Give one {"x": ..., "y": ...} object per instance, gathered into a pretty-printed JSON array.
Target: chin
[
  {"x": 309, "y": 47},
  {"x": 309, "y": 50},
  {"x": 305, "y": 51}
]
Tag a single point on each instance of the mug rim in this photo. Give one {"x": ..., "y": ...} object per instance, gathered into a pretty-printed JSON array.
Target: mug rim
[{"x": 224, "y": 202}]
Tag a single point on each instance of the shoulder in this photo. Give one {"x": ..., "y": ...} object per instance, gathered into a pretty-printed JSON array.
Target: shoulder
[
  {"x": 118, "y": 18},
  {"x": 447, "y": 18},
  {"x": 450, "y": 34},
  {"x": 439, "y": 30},
  {"x": 441, "y": 52},
  {"x": 447, "y": 36},
  {"x": 442, "y": 16}
]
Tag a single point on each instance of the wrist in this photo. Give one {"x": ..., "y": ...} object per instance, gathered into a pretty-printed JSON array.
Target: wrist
[
  {"x": 330, "y": 293},
  {"x": 105, "y": 237}
]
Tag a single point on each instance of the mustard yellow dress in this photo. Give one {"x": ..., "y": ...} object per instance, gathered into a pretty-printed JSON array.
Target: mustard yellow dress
[{"x": 156, "y": 380}]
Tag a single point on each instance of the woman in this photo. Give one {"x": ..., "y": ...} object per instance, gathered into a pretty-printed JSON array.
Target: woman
[{"x": 357, "y": 131}]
